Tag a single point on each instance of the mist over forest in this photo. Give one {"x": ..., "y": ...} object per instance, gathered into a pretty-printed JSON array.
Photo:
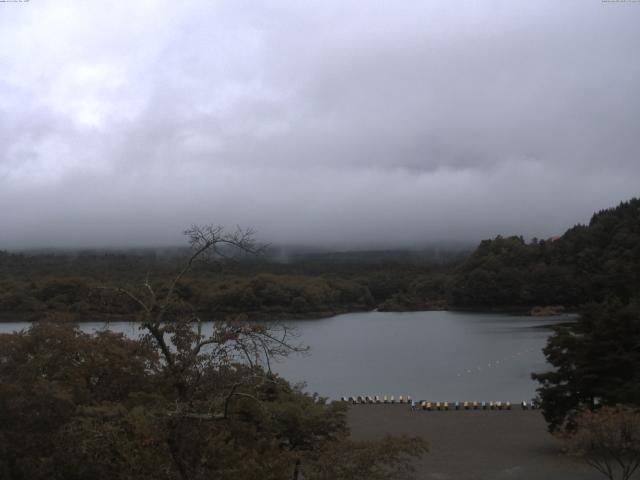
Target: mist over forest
[{"x": 325, "y": 125}]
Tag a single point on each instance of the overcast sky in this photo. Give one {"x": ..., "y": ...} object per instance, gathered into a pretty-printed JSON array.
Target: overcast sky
[{"x": 316, "y": 122}]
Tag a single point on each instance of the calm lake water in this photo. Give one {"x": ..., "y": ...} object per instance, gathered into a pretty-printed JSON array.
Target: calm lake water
[{"x": 429, "y": 355}]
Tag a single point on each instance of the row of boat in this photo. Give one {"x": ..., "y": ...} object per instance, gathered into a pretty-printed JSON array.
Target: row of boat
[
  {"x": 425, "y": 405},
  {"x": 465, "y": 405},
  {"x": 377, "y": 399}
]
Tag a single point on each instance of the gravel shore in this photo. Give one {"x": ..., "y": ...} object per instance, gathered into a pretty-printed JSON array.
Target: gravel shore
[{"x": 474, "y": 445}]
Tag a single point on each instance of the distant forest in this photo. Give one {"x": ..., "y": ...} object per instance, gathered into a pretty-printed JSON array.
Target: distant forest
[{"x": 587, "y": 263}]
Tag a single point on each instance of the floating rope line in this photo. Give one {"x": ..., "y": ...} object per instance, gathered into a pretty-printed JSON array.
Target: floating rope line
[{"x": 494, "y": 363}]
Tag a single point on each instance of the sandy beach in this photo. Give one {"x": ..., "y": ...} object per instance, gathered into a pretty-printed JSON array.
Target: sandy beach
[{"x": 474, "y": 445}]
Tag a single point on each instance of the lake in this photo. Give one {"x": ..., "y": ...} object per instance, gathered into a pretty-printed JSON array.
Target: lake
[{"x": 439, "y": 356}]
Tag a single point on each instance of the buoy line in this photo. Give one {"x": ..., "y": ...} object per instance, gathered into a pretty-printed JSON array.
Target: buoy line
[{"x": 494, "y": 363}]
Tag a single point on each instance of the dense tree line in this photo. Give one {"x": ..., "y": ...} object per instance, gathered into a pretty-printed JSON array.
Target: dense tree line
[
  {"x": 587, "y": 263},
  {"x": 36, "y": 285}
]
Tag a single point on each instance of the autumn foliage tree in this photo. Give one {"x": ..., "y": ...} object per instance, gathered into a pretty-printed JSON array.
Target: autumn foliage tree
[
  {"x": 608, "y": 439},
  {"x": 183, "y": 401}
]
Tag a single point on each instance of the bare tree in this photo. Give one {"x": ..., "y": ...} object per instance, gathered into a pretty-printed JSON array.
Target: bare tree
[
  {"x": 608, "y": 439},
  {"x": 206, "y": 371},
  {"x": 184, "y": 347}
]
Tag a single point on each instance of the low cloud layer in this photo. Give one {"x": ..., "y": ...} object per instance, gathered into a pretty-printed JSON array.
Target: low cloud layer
[{"x": 334, "y": 123}]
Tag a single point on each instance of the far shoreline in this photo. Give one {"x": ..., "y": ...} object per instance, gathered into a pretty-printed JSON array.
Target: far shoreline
[{"x": 257, "y": 316}]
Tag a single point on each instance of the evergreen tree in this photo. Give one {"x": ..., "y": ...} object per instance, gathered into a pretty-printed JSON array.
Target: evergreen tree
[{"x": 596, "y": 360}]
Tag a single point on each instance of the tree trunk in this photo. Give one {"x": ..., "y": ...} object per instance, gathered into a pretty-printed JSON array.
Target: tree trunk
[{"x": 296, "y": 470}]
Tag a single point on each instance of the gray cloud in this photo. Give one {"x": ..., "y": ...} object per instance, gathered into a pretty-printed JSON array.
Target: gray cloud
[{"x": 314, "y": 122}]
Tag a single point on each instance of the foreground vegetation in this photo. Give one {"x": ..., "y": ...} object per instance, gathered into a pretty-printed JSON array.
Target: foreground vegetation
[
  {"x": 608, "y": 439},
  {"x": 77, "y": 406},
  {"x": 596, "y": 363},
  {"x": 174, "y": 404}
]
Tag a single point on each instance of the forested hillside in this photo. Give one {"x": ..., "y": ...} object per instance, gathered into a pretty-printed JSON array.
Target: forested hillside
[
  {"x": 85, "y": 284},
  {"x": 587, "y": 263}
]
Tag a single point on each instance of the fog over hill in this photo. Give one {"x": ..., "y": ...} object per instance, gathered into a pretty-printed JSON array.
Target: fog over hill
[{"x": 394, "y": 125}]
